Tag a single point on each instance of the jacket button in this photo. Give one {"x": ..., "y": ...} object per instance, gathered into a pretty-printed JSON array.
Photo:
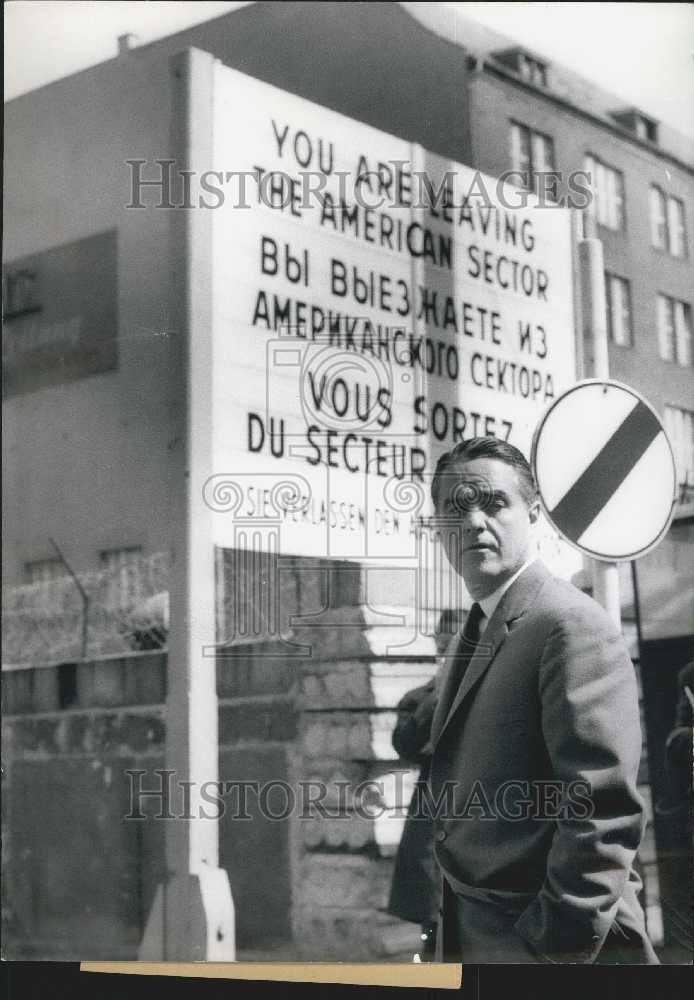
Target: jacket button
[{"x": 441, "y": 836}]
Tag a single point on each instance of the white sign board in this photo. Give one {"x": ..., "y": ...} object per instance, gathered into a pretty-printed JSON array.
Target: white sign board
[
  {"x": 605, "y": 470},
  {"x": 373, "y": 304}
]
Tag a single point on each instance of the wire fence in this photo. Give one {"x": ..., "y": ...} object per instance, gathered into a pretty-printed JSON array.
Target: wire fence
[{"x": 127, "y": 609}]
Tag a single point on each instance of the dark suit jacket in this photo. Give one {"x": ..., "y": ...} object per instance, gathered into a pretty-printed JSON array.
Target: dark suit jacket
[
  {"x": 414, "y": 891},
  {"x": 549, "y": 697}
]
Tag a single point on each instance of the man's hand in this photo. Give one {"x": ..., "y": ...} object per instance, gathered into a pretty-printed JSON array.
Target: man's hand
[{"x": 591, "y": 728}]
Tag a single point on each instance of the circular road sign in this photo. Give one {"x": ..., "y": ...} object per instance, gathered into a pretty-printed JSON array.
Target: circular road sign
[{"x": 605, "y": 470}]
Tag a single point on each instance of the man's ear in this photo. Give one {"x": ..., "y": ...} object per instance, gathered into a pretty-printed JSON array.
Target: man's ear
[{"x": 534, "y": 512}]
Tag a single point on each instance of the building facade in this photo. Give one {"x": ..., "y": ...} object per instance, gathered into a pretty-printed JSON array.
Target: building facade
[{"x": 543, "y": 123}]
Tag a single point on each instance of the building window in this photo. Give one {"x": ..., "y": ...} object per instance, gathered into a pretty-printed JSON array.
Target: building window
[
  {"x": 674, "y": 330},
  {"x": 19, "y": 293},
  {"x": 677, "y": 240},
  {"x": 532, "y": 69},
  {"x": 667, "y": 223},
  {"x": 528, "y": 66},
  {"x": 123, "y": 578},
  {"x": 532, "y": 153},
  {"x": 617, "y": 294},
  {"x": 44, "y": 570},
  {"x": 679, "y": 425},
  {"x": 643, "y": 127},
  {"x": 607, "y": 188},
  {"x": 658, "y": 218}
]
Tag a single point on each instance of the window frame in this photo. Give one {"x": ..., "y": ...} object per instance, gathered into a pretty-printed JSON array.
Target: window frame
[
  {"x": 655, "y": 191},
  {"x": 619, "y": 190},
  {"x": 666, "y": 201},
  {"x": 676, "y": 439},
  {"x": 49, "y": 561},
  {"x": 671, "y": 306},
  {"x": 672, "y": 199},
  {"x": 610, "y": 278},
  {"x": 548, "y": 144},
  {"x": 536, "y": 70}
]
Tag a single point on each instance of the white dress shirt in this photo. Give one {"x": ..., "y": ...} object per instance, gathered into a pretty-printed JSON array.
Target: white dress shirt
[{"x": 490, "y": 602}]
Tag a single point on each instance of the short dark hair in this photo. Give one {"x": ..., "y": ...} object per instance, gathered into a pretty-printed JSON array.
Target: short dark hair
[{"x": 487, "y": 447}]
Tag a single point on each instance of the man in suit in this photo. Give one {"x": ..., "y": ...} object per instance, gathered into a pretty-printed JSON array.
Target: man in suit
[
  {"x": 535, "y": 742},
  {"x": 414, "y": 888},
  {"x": 414, "y": 891}
]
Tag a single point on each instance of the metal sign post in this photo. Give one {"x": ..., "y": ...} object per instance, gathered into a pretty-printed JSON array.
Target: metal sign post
[
  {"x": 597, "y": 365},
  {"x": 193, "y": 914}
]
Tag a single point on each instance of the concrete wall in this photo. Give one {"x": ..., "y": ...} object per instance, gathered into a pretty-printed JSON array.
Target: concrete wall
[
  {"x": 80, "y": 878},
  {"x": 332, "y": 685}
]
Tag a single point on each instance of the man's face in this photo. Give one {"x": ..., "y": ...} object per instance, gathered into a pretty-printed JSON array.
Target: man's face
[{"x": 490, "y": 534}]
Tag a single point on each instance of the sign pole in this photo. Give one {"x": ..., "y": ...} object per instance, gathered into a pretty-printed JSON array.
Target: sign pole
[
  {"x": 597, "y": 365},
  {"x": 193, "y": 915}
]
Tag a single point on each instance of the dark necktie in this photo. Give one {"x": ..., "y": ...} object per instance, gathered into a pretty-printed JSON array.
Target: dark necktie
[{"x": 471, "y": 635}]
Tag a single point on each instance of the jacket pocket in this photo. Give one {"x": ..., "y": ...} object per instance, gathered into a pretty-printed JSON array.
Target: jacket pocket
[{"x": 505, "y": 899}]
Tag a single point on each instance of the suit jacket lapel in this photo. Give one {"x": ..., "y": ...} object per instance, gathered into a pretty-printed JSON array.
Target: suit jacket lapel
[{"x": 512, "y": 606}]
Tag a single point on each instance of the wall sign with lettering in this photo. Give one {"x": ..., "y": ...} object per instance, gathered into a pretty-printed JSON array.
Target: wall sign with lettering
[
  {"x": 373, "y": 304},
  {"x": 60, "y": 314}
]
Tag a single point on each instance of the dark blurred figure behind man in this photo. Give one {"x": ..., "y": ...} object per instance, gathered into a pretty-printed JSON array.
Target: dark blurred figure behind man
[
  {"x": 675, "y": 807},
  {"x": 414, "y": 893}
]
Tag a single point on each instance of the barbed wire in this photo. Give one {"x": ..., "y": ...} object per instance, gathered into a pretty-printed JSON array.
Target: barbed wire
[{"x": 128, "y": 610}]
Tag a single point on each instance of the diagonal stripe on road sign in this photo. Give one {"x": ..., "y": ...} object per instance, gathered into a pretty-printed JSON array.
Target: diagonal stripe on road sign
[{"x": 579, "y": 507}]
